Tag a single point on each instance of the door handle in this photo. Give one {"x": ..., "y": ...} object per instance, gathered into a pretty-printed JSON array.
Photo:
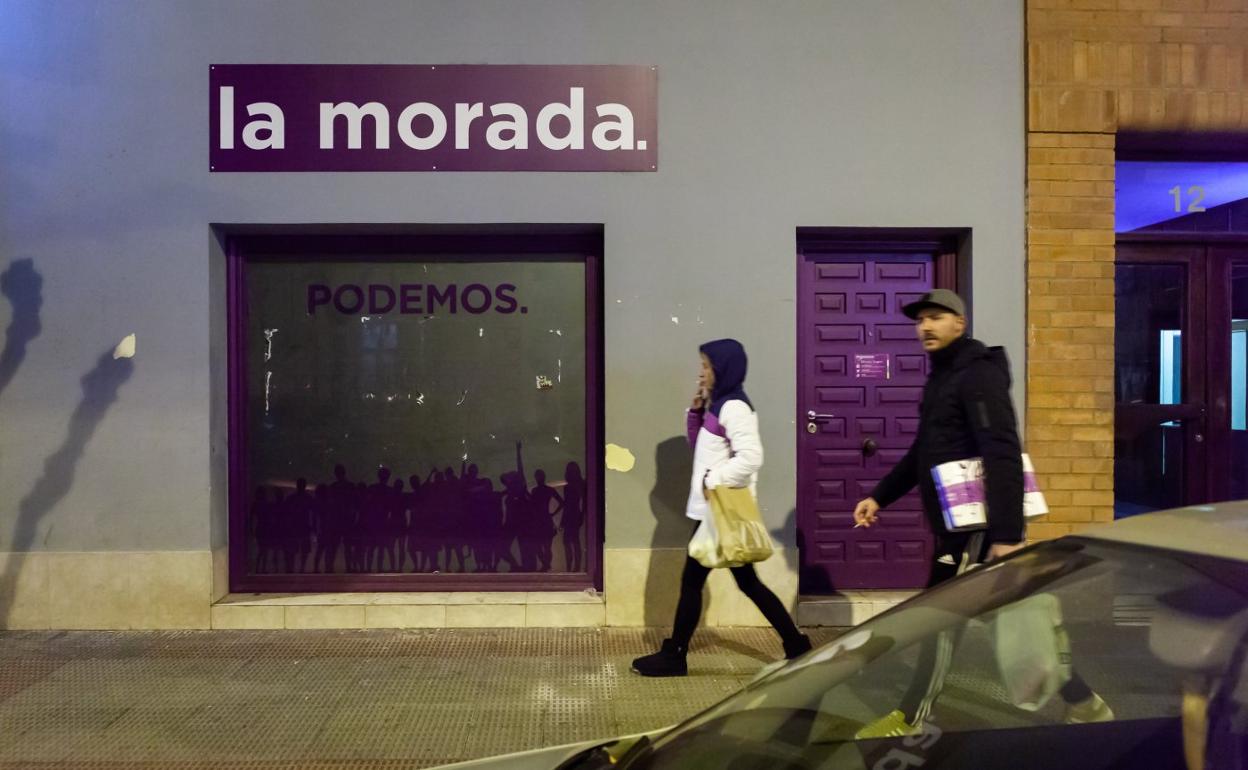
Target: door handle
[
  {"x": 869, "y": 447},
  {"x": 815, "y": 417}
]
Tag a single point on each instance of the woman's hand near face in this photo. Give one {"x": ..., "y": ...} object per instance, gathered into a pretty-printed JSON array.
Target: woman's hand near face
[{"x": 699, "y": 398}]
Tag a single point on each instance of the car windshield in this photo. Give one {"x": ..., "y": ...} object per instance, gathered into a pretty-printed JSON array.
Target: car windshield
[{"x": 1055, "y": 658}]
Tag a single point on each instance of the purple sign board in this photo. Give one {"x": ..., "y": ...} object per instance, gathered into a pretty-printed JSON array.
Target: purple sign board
[
  {"x": 872, "y": 366},
  {"x": 408, "y": 117}
]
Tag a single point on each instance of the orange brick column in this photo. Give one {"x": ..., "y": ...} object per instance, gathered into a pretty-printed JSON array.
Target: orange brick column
[
  {"x": 1070, "y": 325},
  {"x": 1095, "y": 67}
]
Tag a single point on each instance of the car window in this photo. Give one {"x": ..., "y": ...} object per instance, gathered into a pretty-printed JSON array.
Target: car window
[{"x": 1048, "y": 656}]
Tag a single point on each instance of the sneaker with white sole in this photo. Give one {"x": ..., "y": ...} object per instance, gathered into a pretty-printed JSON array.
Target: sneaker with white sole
[
  {"x": 891, "y": 725},
  {"x": 1091, "y": 709}
]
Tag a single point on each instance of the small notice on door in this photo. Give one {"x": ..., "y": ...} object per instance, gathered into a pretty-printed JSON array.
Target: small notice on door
[{"x": 872, "y": 366}]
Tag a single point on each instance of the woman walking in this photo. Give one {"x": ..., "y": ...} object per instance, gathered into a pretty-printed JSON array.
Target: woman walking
[{"x": 722, "y": 428}]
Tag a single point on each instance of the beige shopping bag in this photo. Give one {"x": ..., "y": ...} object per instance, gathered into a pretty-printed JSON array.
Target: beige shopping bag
[{"x": 742, "y": 536}]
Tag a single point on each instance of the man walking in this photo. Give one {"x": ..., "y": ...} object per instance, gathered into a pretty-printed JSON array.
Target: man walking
[{"x": 965, "y": 412}]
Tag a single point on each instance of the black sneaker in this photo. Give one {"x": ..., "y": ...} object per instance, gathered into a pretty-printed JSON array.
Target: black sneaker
[
  {"x": 668, "y": 661},
  {"x": 797, "y": 647}
]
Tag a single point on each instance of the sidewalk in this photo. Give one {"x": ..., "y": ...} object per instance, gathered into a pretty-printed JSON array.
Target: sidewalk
[{"x": 314, "y": 700}]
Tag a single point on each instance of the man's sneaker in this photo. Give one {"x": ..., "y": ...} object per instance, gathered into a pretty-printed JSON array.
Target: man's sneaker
[
  {"x": 668, "y": 661},
  {"x": 891, "y": 725},
  {"x": 1092, "y": 709},
  {"x": 797, "y": 647}
]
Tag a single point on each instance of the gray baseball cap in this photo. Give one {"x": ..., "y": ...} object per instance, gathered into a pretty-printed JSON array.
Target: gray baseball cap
[{"x": 941, "y": 298}]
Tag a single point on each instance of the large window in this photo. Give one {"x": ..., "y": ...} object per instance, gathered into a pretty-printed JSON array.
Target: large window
[{"x": 414, "y": 412}]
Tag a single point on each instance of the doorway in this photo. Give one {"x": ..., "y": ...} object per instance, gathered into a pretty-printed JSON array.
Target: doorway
[
  {"x": 860, "y": 380},
  {"x": 1179, "y": 362},
  {"x": 1181, "y": 321}
]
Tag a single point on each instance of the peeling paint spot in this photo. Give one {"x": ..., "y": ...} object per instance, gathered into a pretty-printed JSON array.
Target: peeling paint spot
[
  {"x": 480, "y": 332},
  {"x": 268, "y": 379},
  {"x": 619, "y": 459},
  {"x": 675, "y": 320},
  {"x": 462, "y": 398},
  {"x": 125, "y": 348},
  {"x": 544, "y": 383},
  {"x": 268, "y": 343},
  {"x": 557, "y": 440},
  {"x": 559, "y": 373},
  {"x": 420, "y": 399}
]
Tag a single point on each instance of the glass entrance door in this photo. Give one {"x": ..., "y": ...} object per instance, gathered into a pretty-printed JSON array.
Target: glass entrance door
[
  {"x": 1180, "y": 375},
  {"x": 1159, "y": 380},
  {"x": 1228, "y": 372}
]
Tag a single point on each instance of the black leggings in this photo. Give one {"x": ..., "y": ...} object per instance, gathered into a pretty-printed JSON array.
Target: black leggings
[{"x": 689, "y": 607}]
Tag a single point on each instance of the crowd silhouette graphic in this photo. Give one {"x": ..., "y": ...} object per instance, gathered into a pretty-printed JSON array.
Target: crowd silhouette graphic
[{"x": 445, "y": 523}]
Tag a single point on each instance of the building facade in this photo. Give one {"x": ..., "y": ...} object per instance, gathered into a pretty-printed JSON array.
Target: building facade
[{"x": 185, "y": 344}]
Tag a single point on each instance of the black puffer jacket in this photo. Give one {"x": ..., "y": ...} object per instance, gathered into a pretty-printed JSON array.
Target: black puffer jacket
[{"x": 966, "y": 412}]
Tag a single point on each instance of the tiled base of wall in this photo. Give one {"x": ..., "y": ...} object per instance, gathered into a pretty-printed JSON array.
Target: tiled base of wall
[
  {"x": 105, "y": 590},
  {"x": 464, "y": 609},
  {"x": 847, "y": 609},
  {"x": 187, "y": 589}
]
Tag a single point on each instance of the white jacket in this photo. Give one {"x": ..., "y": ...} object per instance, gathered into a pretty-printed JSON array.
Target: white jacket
[{"x": 727, "y": 452}]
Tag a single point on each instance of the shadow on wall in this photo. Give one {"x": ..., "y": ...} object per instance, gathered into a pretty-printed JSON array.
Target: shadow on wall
[
  {"x": 23, "y": 288},
  {"x": 99, "y": 390},
  {"x": 792, "y": 555},
  {"x": 673, "y": 467},
  {"x": 673, "y": 462}
]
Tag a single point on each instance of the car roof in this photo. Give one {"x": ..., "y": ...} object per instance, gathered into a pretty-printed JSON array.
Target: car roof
[{"x": 1219, "y": 529}]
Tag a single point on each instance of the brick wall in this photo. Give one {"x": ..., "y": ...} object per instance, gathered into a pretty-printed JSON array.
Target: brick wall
[{"x": 1095, "y": 67}]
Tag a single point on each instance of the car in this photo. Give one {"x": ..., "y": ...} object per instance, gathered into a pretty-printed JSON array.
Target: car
[{"x": 1150, "y": 611}]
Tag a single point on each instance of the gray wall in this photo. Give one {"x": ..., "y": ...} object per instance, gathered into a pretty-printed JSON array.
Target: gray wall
[{"x": 772, "y": 115}]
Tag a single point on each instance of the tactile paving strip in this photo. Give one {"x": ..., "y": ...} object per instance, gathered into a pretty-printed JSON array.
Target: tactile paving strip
[{"x": 343, "y": 700}]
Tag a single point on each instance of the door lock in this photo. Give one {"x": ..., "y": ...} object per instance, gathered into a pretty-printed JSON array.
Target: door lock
[
  {"x": 869, "y": 447},
  {"x": 812, "y": 427}
]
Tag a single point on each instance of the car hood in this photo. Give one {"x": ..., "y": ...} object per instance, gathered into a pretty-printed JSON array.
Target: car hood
[{"x": 1219, "y": 530}]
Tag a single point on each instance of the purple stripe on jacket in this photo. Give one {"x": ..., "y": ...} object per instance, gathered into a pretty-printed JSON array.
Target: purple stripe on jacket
[{"x": 696, "y": 420}]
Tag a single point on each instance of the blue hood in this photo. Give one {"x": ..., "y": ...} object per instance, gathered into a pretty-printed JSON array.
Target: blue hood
[{"x": 729, "y": 363}]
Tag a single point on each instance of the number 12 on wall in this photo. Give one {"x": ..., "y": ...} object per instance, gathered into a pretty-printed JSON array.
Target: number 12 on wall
[{"x": 1195, "y": 192}]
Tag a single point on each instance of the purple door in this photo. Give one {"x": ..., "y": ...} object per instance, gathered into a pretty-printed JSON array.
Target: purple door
[{"x": 860, "y": 378}]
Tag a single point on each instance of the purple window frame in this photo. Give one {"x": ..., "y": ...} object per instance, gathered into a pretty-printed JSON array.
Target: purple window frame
[{"x": 377, "y": 243}]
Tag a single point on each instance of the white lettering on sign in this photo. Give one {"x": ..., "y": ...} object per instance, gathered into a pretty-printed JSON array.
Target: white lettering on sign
[
  {"x": 354, "y": 115},
  {"x": 274, "y": 124},
  {"x": 424, "y": 126},
  {"x": 462, "y": 117},
  {"x": 574, "y": 113},
  {"x": 622, "y": 127},
  {"x": 518, "y": 126},
  {"x": 436, "y": 134}
]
